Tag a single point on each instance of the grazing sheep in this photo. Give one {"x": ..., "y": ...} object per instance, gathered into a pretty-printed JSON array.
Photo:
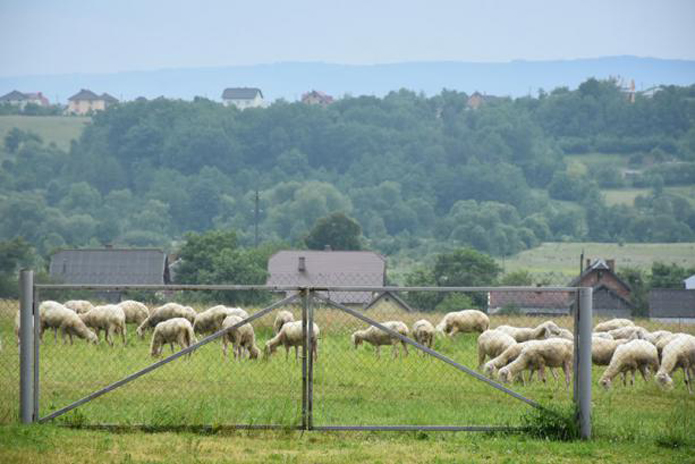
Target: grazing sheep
[
  {"x": 612, "y": 325},
  {"x": 492, "y": 343},
  {"x": 109, "y": 318},
  {"x": 135, "y": 312},
  {"x": 242, "y": 338},
  {"x": 605, "y": 335},
  {"x": 56, "y": 316},
  {"x": 176, "y": 330},
  {"x": 378, "y": 337},
  {"x": 562, "y": 333},
  {"x": 281, "y": 319},
  {"x": 633, "y": 355},
  {"x": 291, "y": 335},
  {"x": 79, "y": 306},
  {"x": 163, "y": 313},
  {"x": 210, "y": 320},
  {"x": 553, "y": 352},
  {"x": 664, "y": 341},
  {"x": 654, "y": 337},
  {"x": 679, "y": 353},
  {"x": 546, "y": 329},
  {"x": 468, "y": 320},
  {"x": 423, "y": 333},
  {"x": 602, "y": 350},
  {"x": 630, "y": 333}
]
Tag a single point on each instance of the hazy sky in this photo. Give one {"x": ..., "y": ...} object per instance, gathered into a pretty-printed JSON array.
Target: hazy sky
[{"x": 68, "y": 36}]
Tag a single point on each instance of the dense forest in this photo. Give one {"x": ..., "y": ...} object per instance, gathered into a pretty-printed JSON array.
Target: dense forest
[{"x": 420, "y": 175}]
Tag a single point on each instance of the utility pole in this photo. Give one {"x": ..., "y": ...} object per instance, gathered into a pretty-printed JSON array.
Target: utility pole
[{"x": 255, "y": 222}]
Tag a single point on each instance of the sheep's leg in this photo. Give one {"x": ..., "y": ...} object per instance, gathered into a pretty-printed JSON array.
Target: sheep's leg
[
  {"x": 394, "y": 349},
  {"x": 108, "y": 336},
  {"x": 643, "y": 371},
  {"x": 224, "y": 346},
  {"x": 688, "y": 379},
  {"x": 287, "y": 353},
  {"x": 122, "y": 329},
  {"x": 405, "y": 347},
  {"x": 622, "y": 374},
  {"x": 481, "y": 358},
  {"x": 541, "y": 372},
  {"x": 55, "y": 334},
  {"x": 552, "y": 371},
  {"x": 566, "y": 368},
  {"x": 454, "y": 331},
  {"x": 378, "y": 351}
]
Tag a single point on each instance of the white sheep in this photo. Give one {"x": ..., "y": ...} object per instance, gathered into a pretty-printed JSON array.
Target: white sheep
[
  {"x": 546, "y": 329},
  {"x": 243, "y": 338},
  {"x": 281, "y": 319},
  {"x": 163, "y": 313},
  {"x": 633, "y": 355},
  {"x": 664, "y": 341},
  {"x": 552, "y": 352},
  {"x": 79, "y": 306},
  {"x": 176, "y": 330},
  {"x": 605, "y": 335},
  {"x": 613, "y": 324},
  {"x": 109, "y": 318},
  {"x": 135, "y": 312},
  {"x": 423, "y": 333},
  {"x": 492, "y": 343},
  {"x": 602, "y": 349},
  {"x": 679, "y": 353},
  {"x": 210, "y": 320},
  {"x": 630, "y": 332},
  {"x": 468, "y": 320},
  {"x": 291, "y": 335},
  {"x": 378, "y": 337},
  {"x": 654, "y": 337},
  {"x": 56, "y": 316}
]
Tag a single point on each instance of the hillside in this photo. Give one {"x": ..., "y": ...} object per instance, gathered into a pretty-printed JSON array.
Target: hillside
[
  {"x": 60, "y": 130},
  {"x": 290, "y": 80}
]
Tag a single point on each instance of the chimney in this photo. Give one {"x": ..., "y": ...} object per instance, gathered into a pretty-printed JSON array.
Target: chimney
[
  {"x": 611, "y": 264},
  {"x": 302, "y": 264},
  {"x": 588, "y": 263},
  {"x": 327, "y": 248}
]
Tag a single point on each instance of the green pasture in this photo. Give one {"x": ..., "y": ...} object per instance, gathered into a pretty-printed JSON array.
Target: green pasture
[
  {"x": 58, "y": 129},
  {"x": 559, "y": 261},
  {"x": 627, "y": 196}
]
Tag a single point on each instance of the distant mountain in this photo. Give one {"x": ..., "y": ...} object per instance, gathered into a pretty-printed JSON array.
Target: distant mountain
[{"x": 290, "y": 80}]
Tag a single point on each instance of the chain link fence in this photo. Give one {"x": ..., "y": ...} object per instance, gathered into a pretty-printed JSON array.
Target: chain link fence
[{"x": 448, "y": 369}]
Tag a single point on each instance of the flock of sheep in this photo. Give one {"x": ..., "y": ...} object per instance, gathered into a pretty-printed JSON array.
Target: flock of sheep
[{"x": 618, "y": 343}]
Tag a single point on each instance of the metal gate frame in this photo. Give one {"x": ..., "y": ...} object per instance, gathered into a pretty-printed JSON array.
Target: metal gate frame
[{"x": 29, "y": 349}]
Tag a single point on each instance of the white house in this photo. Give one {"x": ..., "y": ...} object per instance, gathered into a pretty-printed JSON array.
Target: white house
[
  {"x": 690, "y": 282},
  {"x": 243, "y": 97}
]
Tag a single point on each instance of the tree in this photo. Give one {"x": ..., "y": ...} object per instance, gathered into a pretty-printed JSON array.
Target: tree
[
  {"x": 14, "y": 254},
  {"x": 466, "y": 268},
  {"x": 338, "y": 231},
  {"x": 198, "y": 254}
]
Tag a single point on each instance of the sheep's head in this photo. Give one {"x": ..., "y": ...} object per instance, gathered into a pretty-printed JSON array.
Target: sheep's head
[
  {"x": 356, "y": 339},
  {"x": 664, "y": 380},
  {"x": 140, "y": 331},
  {"x": 268, "y": 349},
  {"x": 505, "y": 375},
  {"x": 605, "y": 383},
  {"x": 254, "y": 352},
  {"x": 489, "y": 369},
  {"x": 92, "y": 337}
]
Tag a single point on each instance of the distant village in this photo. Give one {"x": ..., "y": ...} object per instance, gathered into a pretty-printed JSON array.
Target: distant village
[{"x": 86, "y": 102}]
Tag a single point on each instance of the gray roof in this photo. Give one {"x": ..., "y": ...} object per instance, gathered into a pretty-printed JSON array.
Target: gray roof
[
  {"x": 108, "y": 98},
  {"x": 15, "y": 95},
  {"x": 390, "y": 296},
  {"x": 241, "y": 93},
  {"x": 329, "y": 268},
  {"x": 598, "y": 265},
  {"x": 110, "y": 266},
  {"x": 671, "y": 302},
  {"x": 85, "y": 94}
]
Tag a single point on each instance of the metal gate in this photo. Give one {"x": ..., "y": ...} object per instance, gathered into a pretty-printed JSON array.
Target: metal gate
[{"x": 345, "y": 388}]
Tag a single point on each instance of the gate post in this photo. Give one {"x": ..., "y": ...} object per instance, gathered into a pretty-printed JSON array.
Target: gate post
[
  {"x": 583, "y": 381},
  {"x": 26, "y": 346},
  {"x": 310, "y": 360}
]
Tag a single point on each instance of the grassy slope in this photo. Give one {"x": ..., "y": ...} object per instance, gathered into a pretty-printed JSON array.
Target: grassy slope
[
  {"x": 562, "y": 259},
  {"x": 58, "y": 129},
  {"x": 627, "y": 196}
]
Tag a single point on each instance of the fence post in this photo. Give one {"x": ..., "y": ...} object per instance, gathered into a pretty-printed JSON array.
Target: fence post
[
  {"x": 583, "y": 384},
  {"x": 26, "y": 346},
  {"x": 310, "y": 360},
  {"x": 305, "y": 304}
]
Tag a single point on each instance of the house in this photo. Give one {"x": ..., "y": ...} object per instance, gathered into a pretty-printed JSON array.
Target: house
[
  {"x": 110, "y": 266},
  {"x": 86, "y": 101},
  {"x": 532, "y": 303},
  {"x": 243, "y": 97},
  {"x": 21, "y": 100},
  {"x": 388, "y": 301},
  {"x": 674, "y": 305},
  {"x": 611, "y": 296},
  {"x": 478, "y": 99},
  {"x": 329, "y": 269},
  {"x": 316, "y": 98},
  {"x": 689, "y": 283}
]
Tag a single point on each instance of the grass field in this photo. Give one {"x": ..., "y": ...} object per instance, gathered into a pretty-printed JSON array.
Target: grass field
[
  {"x": 627, "y": 196},
  {"x": 559, "y": 261},
  {"x": 352, "y": 387},
  {"x": 58, "y": 129}
]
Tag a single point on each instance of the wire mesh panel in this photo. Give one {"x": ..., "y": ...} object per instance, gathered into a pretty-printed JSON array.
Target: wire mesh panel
[
  {"x": 206, "y": 387},
  {"x": 364, "y": 377},
  {"x": 9, "y": 362},
  {"x": 656, "y": 404}
]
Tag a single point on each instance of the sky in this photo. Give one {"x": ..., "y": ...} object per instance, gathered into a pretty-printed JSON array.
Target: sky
[{"x": 43, "y": 37}]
